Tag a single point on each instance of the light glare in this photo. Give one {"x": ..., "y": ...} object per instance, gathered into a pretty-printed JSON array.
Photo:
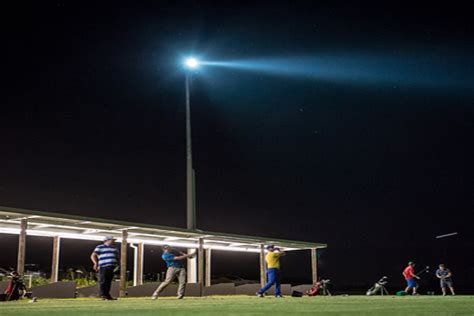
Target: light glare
[{"x": 192, "y": 63}]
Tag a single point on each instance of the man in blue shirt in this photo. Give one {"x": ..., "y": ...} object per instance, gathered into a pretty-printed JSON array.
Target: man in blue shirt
[
  {"x": 105, "y": 260},
  {"x": 174, "y": 262},
  {"x": 444, "y": 276}
]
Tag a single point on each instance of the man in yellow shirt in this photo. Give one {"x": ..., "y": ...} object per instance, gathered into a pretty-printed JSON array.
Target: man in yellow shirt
[{"x": 273, "y": 271}]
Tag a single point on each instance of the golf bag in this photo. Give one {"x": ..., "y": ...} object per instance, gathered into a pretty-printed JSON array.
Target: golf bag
[
  {"x": 15, "y": 289},
  {"x": 379, "y": 286},
  {"x": 321, "y": 285}
]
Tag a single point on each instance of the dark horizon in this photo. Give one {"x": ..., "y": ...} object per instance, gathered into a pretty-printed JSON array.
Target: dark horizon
[{"x": 353, "y": 128}]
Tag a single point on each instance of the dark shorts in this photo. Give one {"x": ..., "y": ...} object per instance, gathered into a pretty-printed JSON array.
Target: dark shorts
[
  {"x": 446, "y": 283},
  {"x": 411, "y": 283}
]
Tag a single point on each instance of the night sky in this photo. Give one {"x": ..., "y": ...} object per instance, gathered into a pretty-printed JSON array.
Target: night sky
[{"x": 351, "y": 125}]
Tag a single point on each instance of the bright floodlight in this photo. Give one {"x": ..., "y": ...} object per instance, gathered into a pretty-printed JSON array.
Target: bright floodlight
[{"x": 192, "y": 63}]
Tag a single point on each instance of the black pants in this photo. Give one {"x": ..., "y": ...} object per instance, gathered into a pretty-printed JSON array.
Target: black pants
[{"x": 106, "y": 275}]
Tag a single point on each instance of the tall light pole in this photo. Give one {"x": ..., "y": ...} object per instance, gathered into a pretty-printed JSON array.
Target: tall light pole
[{"x": 191, "y": 64}]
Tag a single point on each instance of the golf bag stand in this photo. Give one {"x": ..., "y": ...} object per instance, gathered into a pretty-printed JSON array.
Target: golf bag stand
[
  {"x": 325, "y": 287},
  {"x": 322, "y": 286},
  {"x": 379, "y": 287}
]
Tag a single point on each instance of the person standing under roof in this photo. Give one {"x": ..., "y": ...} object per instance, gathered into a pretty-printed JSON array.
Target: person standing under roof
[
  {"x": 105, "y": 260},
  {"x": 174, "y": 262},
  {"x": 273, "y": 271}
]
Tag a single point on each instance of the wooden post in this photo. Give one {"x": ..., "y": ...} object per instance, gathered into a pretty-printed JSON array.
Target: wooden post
[
  {"x": 201, "y": 265},
  {"x": 20, "y": 266},
  {"x": 123, "y": 264},
  {"x": 208, "y": 267},
  {"x": 55, "y": 260},
  {"x": 263, "y": 278},
  {"x": 314, "y": 265},
  {"x": 140, "y": 264}
]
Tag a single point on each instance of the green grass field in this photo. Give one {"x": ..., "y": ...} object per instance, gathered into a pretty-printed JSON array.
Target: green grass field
[{"x": 335, "y": 305}]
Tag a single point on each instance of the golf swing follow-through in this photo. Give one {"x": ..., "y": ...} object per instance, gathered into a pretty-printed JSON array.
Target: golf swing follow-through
[
  {"x": 273, "y": 271},
  {"x": 175, "y": 268},
  {"x": 411, "y": 277}
]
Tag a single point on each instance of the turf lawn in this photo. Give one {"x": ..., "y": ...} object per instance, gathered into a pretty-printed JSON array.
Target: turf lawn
[{"x": 240, "y": 305}]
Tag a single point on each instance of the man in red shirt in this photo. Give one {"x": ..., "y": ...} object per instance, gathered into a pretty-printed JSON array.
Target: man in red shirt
[{"x": 410, "y": 276}]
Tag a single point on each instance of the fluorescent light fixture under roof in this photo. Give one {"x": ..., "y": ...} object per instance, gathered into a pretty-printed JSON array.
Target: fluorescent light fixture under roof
[
  {"x": 84, "y": 229},
  {"x": 41, "y": 233}
]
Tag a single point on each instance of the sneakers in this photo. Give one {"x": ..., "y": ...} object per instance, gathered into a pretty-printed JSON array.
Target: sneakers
[
  {"x": 108, "y": 298},
  {"x": 263, "y": 295},
  {"x": 180, "y": 297}
]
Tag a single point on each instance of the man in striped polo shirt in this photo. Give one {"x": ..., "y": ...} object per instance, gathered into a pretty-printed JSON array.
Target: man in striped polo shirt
[{"x": 105, "y": 259}]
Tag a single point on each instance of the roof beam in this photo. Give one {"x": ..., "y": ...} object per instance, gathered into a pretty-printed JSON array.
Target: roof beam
[{"x": 75, "y": 227}]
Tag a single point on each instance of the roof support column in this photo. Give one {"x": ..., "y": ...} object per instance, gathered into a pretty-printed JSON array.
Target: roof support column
[
  {"x": 123, "y": 263},
  {"x": 314, "y": 265},
  {"x": 208, "y": 267},
  {"x": 137, "y": 264},
  {"x": 55, "y": 259},
  {"x": 140, "y": 259},
  {"x": 201, "y": 265},
  {"x": 263, "y": 278},
  {"x": 20, "y": 265},
  {"x": 192, "y": 268}
]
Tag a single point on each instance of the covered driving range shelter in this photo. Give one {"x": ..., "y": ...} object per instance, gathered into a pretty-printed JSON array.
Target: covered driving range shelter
[{"x": 25, "y": 223}]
